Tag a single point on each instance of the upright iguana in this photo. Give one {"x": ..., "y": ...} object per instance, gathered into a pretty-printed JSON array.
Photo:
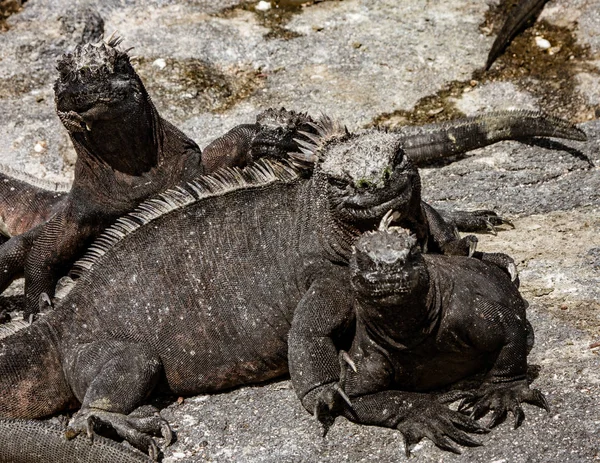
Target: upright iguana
[
  {"x": 125, "y": 153},
  {"x": 195, "y": 291},
  {"x": 422, "y": 322}
]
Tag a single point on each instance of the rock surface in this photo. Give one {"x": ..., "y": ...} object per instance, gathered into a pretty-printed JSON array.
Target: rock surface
[{"x": 212, "y": 65}]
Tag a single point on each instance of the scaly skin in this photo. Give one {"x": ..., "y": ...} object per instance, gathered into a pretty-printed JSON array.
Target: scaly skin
[
  {"x": 44, "y": 254},
  {"x": 237, "y": 281},
  {"x": 423, "y": 322},
  {"x": 125, "y": 153},
  {"x": 25, "y": 441}
]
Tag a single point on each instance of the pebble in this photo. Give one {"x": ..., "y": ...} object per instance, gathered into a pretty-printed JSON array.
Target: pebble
[
  {"x": 40, "y": 147},
  {"x": 542, "y": 43},
  {"x": 263, "y": 6},
  {"x": 159, "y": 63}
]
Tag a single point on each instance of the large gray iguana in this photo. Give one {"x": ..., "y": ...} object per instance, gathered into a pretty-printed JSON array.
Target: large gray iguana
[
  {"x": 196, "y": 291},
  {"x": 422, "y": 322}
]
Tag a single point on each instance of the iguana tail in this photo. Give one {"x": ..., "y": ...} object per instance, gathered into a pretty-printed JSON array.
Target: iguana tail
[
  {"x": 26, "y": 201},
  {"x": 438, "y": 141},
  {"x": 32, "y": 382},
  {"x": 24, "y": 441}
]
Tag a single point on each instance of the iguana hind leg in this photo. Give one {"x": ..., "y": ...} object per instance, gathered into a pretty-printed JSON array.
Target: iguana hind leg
[{"x": 112, "y": 378}]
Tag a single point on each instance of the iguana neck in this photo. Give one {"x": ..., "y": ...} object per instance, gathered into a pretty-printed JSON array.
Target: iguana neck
[
  {"x": 335, "y": 234},
  {"x": 404, "y": 324},
  {"x": 130, "y": 143}
]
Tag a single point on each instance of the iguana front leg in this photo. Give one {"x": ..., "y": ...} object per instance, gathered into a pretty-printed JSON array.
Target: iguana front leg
[
  {"x": 111, "y": 379},
  {"x": 59, "y": 243},
  {"x": 505, "y": 386}
]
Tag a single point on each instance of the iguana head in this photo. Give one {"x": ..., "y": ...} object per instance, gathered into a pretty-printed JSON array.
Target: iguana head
[
  {"x": 386, "y": 263},
  {"x": 102, "y": 102},
  {"x": 96, "y": 82},
  {"x": 390, "y": 280},
  {"x": 365, "y": 174}
]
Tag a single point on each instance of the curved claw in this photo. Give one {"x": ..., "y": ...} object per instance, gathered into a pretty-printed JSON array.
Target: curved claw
[
  {"x": 511, "y": 268},
  {"x": 519, "y": 415},
  {"x": 134, "y": 428},
  {"x": 498, "y": 415},
  {"x": 537, "y": 398},
  {"x": 490, "y": 227},
  {"x": 446, "y": 428},
  {"x": 167, "y": 433}
]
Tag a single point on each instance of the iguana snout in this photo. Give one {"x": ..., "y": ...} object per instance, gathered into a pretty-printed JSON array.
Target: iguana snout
[{"x": 386, "y": 264}]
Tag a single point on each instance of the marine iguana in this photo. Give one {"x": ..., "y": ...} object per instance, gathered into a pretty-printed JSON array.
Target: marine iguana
[
  {"x": 125, "y": 153},
  {"x": 237, "y": 278},
  {"x": 47, "y": 252},
  {"x": 422, "y": 322}
]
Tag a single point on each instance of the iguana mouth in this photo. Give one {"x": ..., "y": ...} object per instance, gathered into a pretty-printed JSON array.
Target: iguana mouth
[
  {"x": 377, "y": 210},
  {"x": 382, "y": 284}
]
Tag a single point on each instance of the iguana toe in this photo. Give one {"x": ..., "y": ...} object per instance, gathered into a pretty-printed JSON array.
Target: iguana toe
[
  {"x": 500, "y": 399},
  {"x": 135, "y": 428},
  {"x": 443, "y": 426}
]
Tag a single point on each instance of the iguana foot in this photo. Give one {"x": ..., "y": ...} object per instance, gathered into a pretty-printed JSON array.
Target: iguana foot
[
  {"x": 328, "y": 401},
  {"x": 443, "y": 426},
  {"x": 502, "y": 398},
  {"x": 480, "y": 220},
  {"x": 134, "y": 428}
]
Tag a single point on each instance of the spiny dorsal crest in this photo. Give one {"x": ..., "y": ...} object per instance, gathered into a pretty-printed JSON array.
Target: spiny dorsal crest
[
  {"x": 327, "y": 130},
  {"x": 282, "y": 118},
  {"x": 58, "y": 187},
  {"x": 224, "y": 181},
  {"x": 93, "y": 59}
]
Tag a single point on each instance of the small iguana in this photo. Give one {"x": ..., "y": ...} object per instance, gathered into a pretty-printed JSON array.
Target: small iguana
[
  {"x": 422, "y": 322},
  {"x": 242, "y": 253}
]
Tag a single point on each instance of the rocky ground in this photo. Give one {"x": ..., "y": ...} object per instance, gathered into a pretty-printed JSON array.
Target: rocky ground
[{"x": 212, "y": 65}]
